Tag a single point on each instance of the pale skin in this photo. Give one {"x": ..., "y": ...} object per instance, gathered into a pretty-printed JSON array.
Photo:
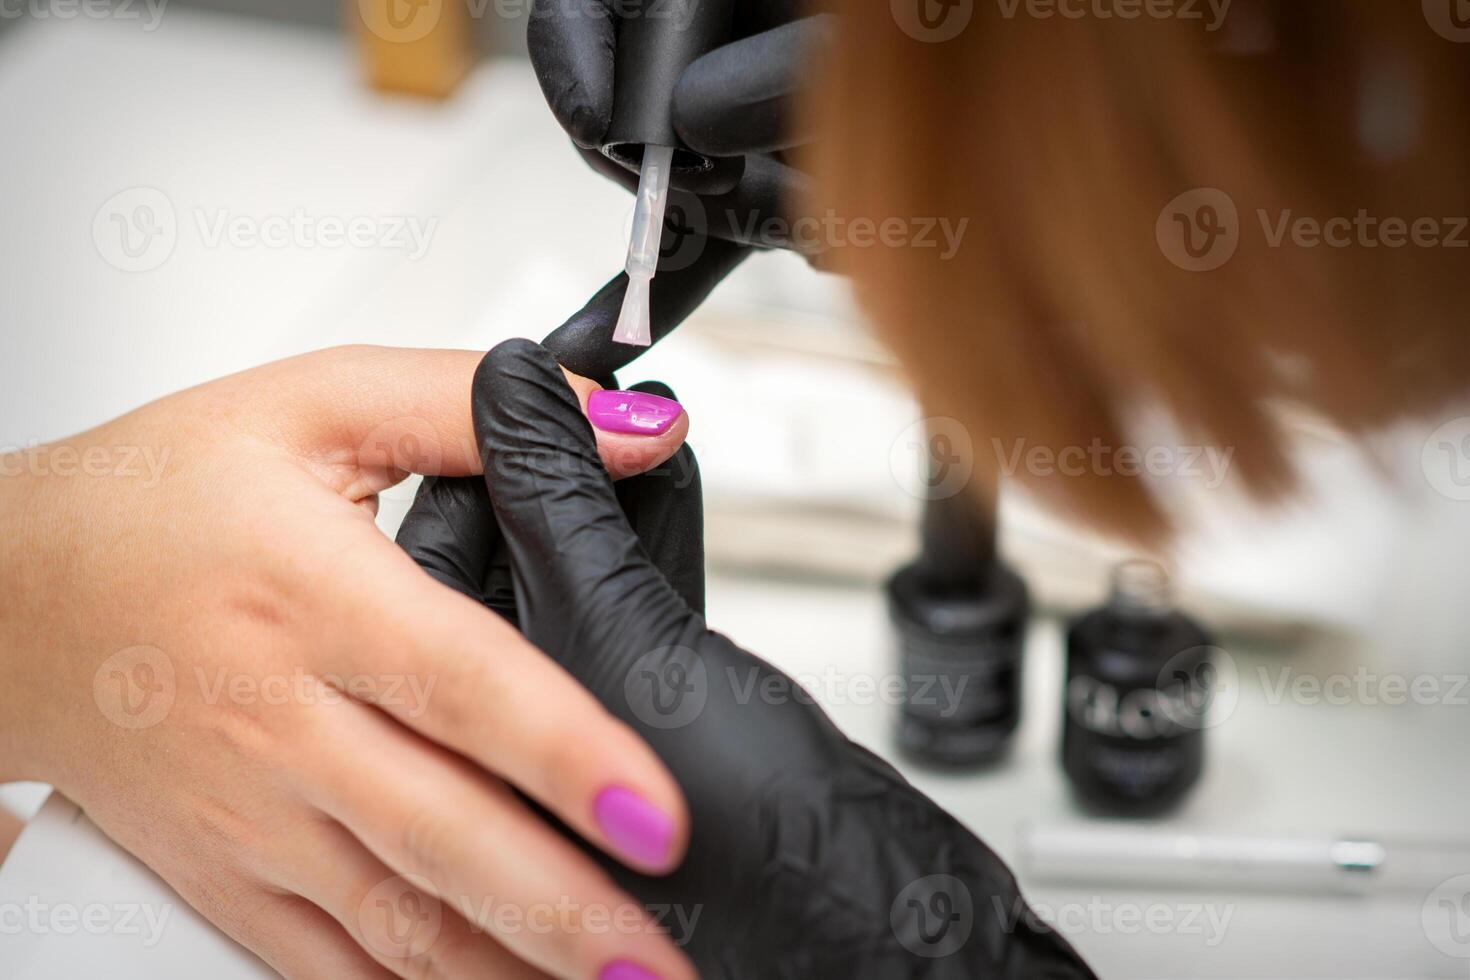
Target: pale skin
[{"x": 299, "y": 819}]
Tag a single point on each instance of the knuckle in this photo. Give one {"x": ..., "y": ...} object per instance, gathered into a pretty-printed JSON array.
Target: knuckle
[
  {"x": 558, "y": 748},
  {"x": 449, "y": 957},
  {"x": 427, "y": 841}
]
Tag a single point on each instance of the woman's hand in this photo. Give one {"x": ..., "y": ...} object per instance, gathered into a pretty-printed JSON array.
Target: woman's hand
[{"x": 209, "y": 646}]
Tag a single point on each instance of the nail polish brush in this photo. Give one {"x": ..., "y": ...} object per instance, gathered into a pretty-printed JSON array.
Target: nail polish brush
[
  {"x": 657, "y": 40},
  {"x": 648, "y": 229}
]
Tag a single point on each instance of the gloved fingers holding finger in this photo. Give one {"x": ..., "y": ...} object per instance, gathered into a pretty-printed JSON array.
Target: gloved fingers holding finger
[
  {"x": 450, "y": 531},
  {"x": 665, "y": 508}
]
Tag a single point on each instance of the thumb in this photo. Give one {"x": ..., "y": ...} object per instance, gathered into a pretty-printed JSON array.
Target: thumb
[
  {"x": 395, "y": 411},
  {"x": 586, "y": 592}
]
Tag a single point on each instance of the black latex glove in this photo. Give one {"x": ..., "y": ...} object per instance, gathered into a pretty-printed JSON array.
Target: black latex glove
[
  {"x": 733, "y": 105},
  {"x": 810, "y": 858}
]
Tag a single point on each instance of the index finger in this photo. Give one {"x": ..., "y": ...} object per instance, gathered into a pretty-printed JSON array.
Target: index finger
[
  {"x": 584, "y": 344},
  {"x": 484, "y": 692}
]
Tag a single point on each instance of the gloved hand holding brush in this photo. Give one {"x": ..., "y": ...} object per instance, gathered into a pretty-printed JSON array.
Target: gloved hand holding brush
[{"x": 734, "y": 105}]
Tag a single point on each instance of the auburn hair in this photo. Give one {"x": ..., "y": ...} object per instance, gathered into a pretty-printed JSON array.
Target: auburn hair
[{"x": 1106, "y": 165}]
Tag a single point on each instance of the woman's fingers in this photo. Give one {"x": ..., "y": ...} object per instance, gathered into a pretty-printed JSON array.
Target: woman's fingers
[
  {"x": 396, "y": 919},
  {"x": 457, "y": 835},
  {"x": 363, "y": 418},
  {"x": 472, "y": 683},
  {"x": 300, "y": 941}
]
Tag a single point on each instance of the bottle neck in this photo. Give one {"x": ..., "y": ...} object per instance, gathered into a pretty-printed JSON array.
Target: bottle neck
[
  {"x": 1141, "y": 590},
  {"x": 957, "y": 547}
]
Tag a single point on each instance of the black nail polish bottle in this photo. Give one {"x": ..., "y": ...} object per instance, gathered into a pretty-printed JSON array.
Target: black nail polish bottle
[
  {"x": 961, "y": 617},
  {"x": 1138, "y": 678}
]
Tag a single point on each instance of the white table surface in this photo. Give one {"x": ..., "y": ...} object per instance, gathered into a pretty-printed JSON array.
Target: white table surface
[{"x": 219, "y": 114}]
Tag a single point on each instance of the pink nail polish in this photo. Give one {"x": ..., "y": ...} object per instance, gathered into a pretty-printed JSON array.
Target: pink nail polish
[
  {"x": 623, "y": 970},
  {"x": 632, "y": 411},
  {"x": 635, "y": 828}
]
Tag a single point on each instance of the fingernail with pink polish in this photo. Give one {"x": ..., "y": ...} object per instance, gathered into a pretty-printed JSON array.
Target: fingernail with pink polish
[
  {"x": 623, "y": 970},
  {"x": 635, "y": 828},
  {"x": 632, "y": 411}
]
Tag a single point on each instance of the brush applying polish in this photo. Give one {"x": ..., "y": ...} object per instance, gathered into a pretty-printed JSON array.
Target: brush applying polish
[{"x": 643, "y": 246}]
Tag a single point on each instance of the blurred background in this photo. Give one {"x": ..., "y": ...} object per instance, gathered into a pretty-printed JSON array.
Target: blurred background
[{"x": 193, "y": 187}]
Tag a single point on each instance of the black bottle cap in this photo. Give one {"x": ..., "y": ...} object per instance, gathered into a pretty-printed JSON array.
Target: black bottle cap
[{"x": 657, "y": 40}]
